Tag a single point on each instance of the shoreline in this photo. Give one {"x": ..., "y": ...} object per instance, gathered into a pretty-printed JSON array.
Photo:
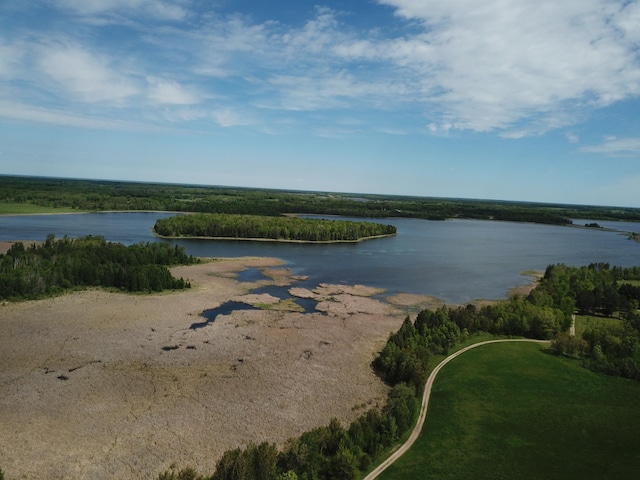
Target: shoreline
[
  {"x": 399, "y": 299},
  {"x": 277, "y": 240},
  {"x": 631, "y": 235},
  {"x": 83, "y": 212}
]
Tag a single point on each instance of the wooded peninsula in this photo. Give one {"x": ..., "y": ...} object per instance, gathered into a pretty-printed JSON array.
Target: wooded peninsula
[
  {"x": 255, "y": 227},
  {"x": 59, "y": 265}
]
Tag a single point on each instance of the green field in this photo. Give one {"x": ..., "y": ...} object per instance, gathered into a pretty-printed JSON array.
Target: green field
[
  {"x": 28, "y": 208},
  {"x": 512, "y": 411},
  {"x": 587, "y": 322}
]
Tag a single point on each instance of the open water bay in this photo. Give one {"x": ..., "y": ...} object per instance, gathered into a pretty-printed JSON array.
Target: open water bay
[{"x": 456, "y": 260}]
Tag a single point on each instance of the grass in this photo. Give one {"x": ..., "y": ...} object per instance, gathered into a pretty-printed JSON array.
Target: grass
[
  {"x": 433, "y": 363},
  {"x": 286, "y": 305},
  {"x": 28, "y": 208},
  {"x": 586, "y": 322},
  {"x": 513, "y": 411}
]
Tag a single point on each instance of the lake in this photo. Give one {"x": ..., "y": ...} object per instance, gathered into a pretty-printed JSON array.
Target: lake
[{"x": 456, "y": 260}]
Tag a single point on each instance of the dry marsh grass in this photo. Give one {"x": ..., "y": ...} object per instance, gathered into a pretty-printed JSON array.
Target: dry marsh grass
[{"x": 108, "y": 385}]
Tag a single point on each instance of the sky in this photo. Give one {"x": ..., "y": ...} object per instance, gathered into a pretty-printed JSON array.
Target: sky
[{"x": 492, "y": 99}]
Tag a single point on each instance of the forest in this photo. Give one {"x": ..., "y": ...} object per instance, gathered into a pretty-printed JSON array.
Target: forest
[
  {"x": 611, "y": 347},
  {"x": 103, "y": 195},
  {"x": 267, "y": 227},
  {"x": 347, "y": 452},
  {"x": 58, "y": 265}
]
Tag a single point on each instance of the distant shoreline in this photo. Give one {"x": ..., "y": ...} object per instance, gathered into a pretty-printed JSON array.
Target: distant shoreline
[
  {"x": 634, "y": 236},
  {"x": 83, "y": 212}
]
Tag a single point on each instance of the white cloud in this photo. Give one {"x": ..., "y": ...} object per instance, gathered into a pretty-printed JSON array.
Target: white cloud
[
  {"x": 219, "y": 48},
  {"x": 229, "y": 117},
  {"x": 616, "y": 147},
  {"x": 298, "y": 69},
  {"x": 10, "y": 57},
  {"x": 169, "y": 92},
  {"x": 155, "y": 8},
  {"x": 628, "y": 22},
  {"x": 316, "y": 35},
  {"x": 29, "y": 113},
  {"x": 572, "y": 137},
  {"x": 84, "y": 74},
  {"x": 517, "y": 67},
  {"x": 489, "y": 65},
  {"x": 324, "y": 90}
]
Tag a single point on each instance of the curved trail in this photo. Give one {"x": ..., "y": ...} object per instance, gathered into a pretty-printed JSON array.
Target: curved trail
[{"x": 425, "y": 402}]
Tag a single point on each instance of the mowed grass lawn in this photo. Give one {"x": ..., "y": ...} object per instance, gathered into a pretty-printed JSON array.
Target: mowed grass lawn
[
  {"x": 512, "y": 411},
  {"x": 588, "y": 322}
]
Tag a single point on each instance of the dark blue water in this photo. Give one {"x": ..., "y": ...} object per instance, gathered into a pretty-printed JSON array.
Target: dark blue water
[
  {"x": 225, "y": 309},
  {"x": 251, "y": 275},
  {"x": 127, "y": 228},
  {"x": 308, "y": 304},
  {"x": 457, "y": 260}
]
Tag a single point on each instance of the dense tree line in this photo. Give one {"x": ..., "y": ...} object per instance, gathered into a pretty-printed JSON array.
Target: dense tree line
[
  {"x": 595, "y": 289},
  {"x": 275, "y": 228},
  {"x": 96, "y": 195},
  {"x": 405, "y": 356},
  {"x": 611, "y": 347},
  {"x": 327, "y": 452},
  {"x": 59, "y": 264}
]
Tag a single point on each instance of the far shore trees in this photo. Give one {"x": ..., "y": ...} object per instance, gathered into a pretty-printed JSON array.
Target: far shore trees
[{"x": 26, "y": 194}]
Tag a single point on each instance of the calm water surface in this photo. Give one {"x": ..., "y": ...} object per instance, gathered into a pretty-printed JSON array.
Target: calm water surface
[{"x": 457, "y": 260}]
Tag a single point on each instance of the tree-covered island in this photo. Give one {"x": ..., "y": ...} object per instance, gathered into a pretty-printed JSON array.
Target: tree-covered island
[{"x": 284, "y": 229}]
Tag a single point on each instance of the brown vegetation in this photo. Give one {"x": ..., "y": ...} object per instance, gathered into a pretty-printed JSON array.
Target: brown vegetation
[{"x": 107, "y": 385}]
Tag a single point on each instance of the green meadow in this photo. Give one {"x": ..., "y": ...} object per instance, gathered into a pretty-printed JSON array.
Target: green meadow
[
  {"x": 588, "y": 322},
  {"x": 7, "y": 208},
  {"x": 513, "y": 411}
]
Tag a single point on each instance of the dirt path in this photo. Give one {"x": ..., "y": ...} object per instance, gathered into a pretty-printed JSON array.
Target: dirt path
[{"x": 425, "y": 403}]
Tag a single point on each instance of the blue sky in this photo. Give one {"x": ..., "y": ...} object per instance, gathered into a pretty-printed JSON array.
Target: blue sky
[{"x": 496, "y": 99}]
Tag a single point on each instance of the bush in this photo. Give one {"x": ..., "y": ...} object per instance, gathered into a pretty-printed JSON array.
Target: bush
[{"x": 171, "y": 474}]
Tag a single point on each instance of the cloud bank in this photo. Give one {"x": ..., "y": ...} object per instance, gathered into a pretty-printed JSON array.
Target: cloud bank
[{"x": 513, "y": 67}]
